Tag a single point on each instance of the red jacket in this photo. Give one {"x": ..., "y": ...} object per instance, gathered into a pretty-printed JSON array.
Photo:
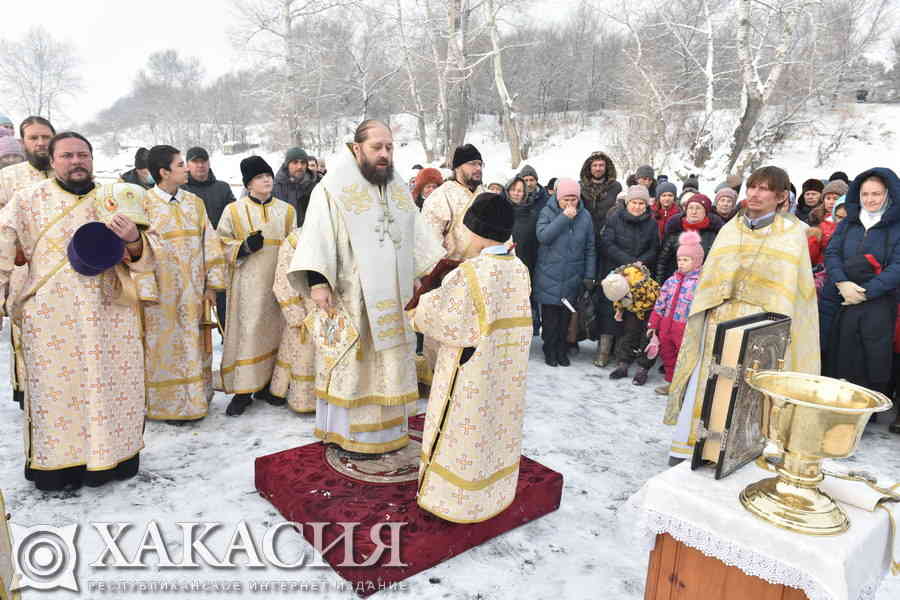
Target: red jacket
[{"x": 662, "y": 216}]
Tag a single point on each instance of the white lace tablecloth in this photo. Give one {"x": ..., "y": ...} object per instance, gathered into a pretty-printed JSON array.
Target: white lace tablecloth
[{"x": 706, "y": 514}]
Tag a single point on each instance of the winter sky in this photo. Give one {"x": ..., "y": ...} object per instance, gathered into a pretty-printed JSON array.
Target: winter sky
[{"x": 113, "y": 39}]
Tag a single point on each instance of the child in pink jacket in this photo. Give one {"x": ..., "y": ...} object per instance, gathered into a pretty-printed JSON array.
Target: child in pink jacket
[{"x": 670, "y": 313}]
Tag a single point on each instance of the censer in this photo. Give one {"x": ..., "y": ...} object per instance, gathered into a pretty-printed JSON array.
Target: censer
[{"x": 809, "y": 418}]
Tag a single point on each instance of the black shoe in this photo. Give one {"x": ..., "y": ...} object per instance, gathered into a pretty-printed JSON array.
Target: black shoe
[
  {"x": 550, "y": 359},
  {"x": 177, "y": 422},
  {"x": 262, "y": 394},
  {"x": 674, "y": 461},
  {"x": 275, "y": 400},
  {"x": 564, "y": 359},
  {"x": 238, "y": 405},
  {"x": 19, "y": 396},
  {"x": 620, "y": 371}
]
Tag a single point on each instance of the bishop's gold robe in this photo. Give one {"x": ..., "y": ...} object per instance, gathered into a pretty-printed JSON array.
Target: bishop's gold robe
[
  {"x": 473, "y": 429},
  {"x": 369, "y": 243},
  {"x": 254, "y": 324},
  {"x": 746, "y": 272},
  {"x": 84, "y": 360},
  {"x": 12, "y": 179},
  {"x": 189, "y": 261},
  {"x": 295, "y": 370}
]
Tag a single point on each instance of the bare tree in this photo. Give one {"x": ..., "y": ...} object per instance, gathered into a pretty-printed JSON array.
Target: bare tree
[
  {"x": 39, "y": 72},
  {"x": 509, "y": 118}
]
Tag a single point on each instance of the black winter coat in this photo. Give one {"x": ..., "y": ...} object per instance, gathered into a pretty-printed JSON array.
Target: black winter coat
[
  {"x": 629, "y": 239},
  {"x": 525, "y": 233},
  {"x": 668, "y": 255},
  {"x": 132, "y": 177},
  {"x": 599, "y": 197},
  {"x": 850, "y": 239},
  {"x": 295, "y": 193},
  {"x": 216, "y": 195}
]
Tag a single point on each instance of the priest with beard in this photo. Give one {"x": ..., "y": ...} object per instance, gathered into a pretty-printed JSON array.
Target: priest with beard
[
  {"x": 36, "y": 133},
  {"x": 361, "y": 250}
]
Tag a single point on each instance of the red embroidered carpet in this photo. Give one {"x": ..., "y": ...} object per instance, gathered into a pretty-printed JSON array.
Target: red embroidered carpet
[{"x": 306, "y": 489}]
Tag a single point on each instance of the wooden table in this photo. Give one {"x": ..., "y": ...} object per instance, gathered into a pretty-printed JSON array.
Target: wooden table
[{"x": 679, "y": 572}]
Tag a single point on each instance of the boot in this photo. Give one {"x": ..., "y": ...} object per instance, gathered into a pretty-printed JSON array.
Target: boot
[
  {"x": 674, "y": 461},
  {"x": 620, "y": 371},
  {"x": 550, "y": 357},
  {"x": 640, "y": 378},
  {"x": 895, "y": 426},
  {"x": 604, "y": 349},
  {"x": 562, "y": 355},
  {"x": 238, "y": 405},
  {"x": 662, "y": 390}
]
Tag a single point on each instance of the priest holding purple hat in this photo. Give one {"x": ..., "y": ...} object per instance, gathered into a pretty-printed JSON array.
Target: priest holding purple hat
[{"x": 81, "y": 327}]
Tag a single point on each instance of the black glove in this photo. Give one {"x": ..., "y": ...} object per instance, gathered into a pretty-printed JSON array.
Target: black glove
[
  {"x": 588, "y": 284},
  {"x": 252, "y": 244}
]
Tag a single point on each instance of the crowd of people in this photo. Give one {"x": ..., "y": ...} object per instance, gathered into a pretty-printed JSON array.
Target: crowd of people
[
  {"x": 644, "y": 269},
  {"x": 595, "y": 249}
]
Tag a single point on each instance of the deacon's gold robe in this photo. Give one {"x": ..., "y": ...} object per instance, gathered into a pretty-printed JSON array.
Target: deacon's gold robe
[
  {"x": 84, "y": 360},
  {"x": 444, "y": 210},
  {"x": 473, "y": 428},
  {"x": 189, "y": 261},
  {"x": 746, "y": 272},
  {"x": 295, "y": 370},
  {"x": 12, "y": 179},
  {"x": 254, "y": 324},
  {"x": 369, "y": 243}
]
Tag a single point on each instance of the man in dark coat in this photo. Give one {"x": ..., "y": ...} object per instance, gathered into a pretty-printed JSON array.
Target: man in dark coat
[
  {"x": 140, "y": 174},
  {"x": 537, "y": 194},
  {"x": 216, "y": 195},
  {"x": 599, "y": 190},
  {"x": 202, "y": 181},
  {"x": 294, "y": 182}
]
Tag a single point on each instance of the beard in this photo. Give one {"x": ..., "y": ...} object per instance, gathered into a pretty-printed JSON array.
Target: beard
[
  {"x": 373, "y": 174},
  {"x": 474, "y": 180},
  {"x": 41, "y": 162}
]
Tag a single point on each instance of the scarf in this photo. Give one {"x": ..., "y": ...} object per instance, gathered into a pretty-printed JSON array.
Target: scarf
[{"x": 698, "y": 226}]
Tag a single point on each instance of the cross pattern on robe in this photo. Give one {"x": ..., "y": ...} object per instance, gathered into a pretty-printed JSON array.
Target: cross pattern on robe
[
  {"x": 464, "y": 461},
  {"x": 467, "y": 426},
  {"x": 474, "y": 511},
  {"x": 460, "y": 495}
]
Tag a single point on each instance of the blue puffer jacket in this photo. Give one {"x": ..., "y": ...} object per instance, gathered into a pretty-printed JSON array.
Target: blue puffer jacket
[
  {"x": 851, "y": 239},
  {"x": 566, "y": 254}
]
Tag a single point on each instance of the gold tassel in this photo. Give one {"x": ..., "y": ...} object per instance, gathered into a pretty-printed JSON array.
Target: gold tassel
[
  {"x": 303, "y": 333},
  {"x": 359, "y": 352}
]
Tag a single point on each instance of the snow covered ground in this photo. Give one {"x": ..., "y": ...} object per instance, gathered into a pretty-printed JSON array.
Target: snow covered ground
[{"x": 605, "y": 437}]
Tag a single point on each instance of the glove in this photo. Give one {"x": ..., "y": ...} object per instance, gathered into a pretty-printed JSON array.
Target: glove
[
  {"x": 852, "y": 293},
  {"x": 588, "y": 284},
  {"x": 252, "y": 244}
]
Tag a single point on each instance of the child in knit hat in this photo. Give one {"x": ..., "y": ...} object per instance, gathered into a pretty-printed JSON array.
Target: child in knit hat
[
  {"x": 670, "y": 313},
  {"x": 633, "y": 293},
  {"x": 11, "y": 151}
]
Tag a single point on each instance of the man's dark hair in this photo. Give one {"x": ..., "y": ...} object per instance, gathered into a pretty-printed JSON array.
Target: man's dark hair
[
  {"x": 140, "y": 158},
  {"x": 775, "y": 177},
  {"x": 362, "y": 132},
  {"x": 159, "y": 158},
  {"x": 35, "y": 120},
  {"x": 68, "y": 135}
]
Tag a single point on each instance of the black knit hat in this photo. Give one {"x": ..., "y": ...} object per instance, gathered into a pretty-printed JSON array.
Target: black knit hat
[
  {"x": 253, "y": 166},
  {"x": 196, "y": 153},
  {"x": 464, "y": 154},
  {"x": 491, "y": 217},
  {"x": 140, "y": 159},
  {"x": 840, "y": 175}
]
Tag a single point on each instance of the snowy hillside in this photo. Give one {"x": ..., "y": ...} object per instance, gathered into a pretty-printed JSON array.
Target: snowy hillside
[{"x": 876, "y": 142}]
